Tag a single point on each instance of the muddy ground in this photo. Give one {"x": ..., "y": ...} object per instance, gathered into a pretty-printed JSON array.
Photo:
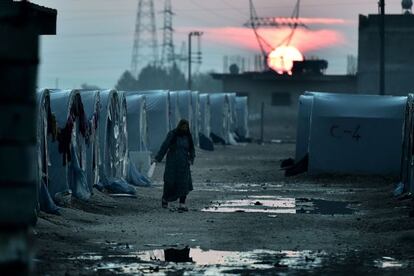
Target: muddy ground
[{"x": 113, "y": 235}]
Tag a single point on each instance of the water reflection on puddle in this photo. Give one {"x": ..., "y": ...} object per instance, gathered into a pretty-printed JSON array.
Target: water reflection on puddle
[
  {"x": 388, "y": 262},
  {"x": 280, "y": 205},
  {"x": 238, "y": 187},
  {"x": 195, "y": 261}
]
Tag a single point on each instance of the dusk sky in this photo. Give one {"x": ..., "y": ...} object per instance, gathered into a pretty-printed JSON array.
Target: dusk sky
[{"x": 94, "y": 37}]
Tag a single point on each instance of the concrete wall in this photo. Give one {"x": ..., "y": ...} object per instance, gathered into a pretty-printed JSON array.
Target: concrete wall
[
  {"x": 280, "y": 120},
  {"x": 399, "y": 54}
]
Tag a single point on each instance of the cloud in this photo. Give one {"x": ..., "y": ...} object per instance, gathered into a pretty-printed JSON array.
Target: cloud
[
  {"x": 312, "y": 20},
  {"x": 305, "y": 40}
]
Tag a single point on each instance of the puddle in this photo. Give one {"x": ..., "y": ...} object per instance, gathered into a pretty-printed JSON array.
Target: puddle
[
  {"x": 280, "y": 205},
  {"x": 194, "y": 261},
  {"x": 388, "y": 262},
  {"x": 238, "y": 187}
]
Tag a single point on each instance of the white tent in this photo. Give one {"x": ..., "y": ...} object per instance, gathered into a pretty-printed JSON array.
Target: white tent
[
  {"x": 138, "y": 140},
  {"x": 233, "y": 111},
  {"x": 44, "y": 126},
  {"x": 68, "y": 152},
  {"x": 46, "y": 129},
  {"x": 91, "y": 105},
  {"x": 242, "y": 111},
  {"x": 356, "y": 134},
  {"x": 303, "y": 126},
  {"x": 175, "y": 114},
  {"x": 189, "y": 104},
  {"x": 220, "y": 117},
  {"x": 185, "y": 105},
  {"x": 407, "y": 164},
  {"x": 195, "y": 106},
  {"x": 205, "y": 116},
  {"x": 110, "y": 125},
  {"x": 137, "y": 122},
  {"x": 123, "y": 134},
  {"x": 157, "y": 116}
]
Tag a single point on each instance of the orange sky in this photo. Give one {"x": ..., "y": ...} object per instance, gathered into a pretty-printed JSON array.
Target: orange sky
[{"x": 304, "y": 39}]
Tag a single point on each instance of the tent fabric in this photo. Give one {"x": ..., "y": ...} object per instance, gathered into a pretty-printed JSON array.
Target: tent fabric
[
  {"x": 116, "y": 186},
  {"x": 46, "y": 126},
  {"x": 205, "y": 116},
  {"x": 175, "y": 115},
  {"x": 220, "y": 117},
  {"x": 67, "y": 107},
  {"x": 303, "y": 126},
  {"x": 407, "y": 160},
  {"x": 110, "y": 165},
  {"x": 233, "y": 112},
  {"x": 195, "y": 108},
  {"x": 185, "y": 106},
  {"x": 46, "y": 202},
  {"x": 137, "y": 136},
  {"x": 356, "y": 134},
  {"x": 157, "y": 116},
  {"x": 137, "y": 122},
  {"x": 136, "y": 178},
  {"x": 204, "y": 123},
  {"x": 91, "y": 105},
  {"x": 242, "y": 121},
  {"x": 123, "y": 134}
]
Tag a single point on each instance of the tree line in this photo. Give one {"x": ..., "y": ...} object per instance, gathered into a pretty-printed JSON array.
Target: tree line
[{"x": 154, "y": 77}]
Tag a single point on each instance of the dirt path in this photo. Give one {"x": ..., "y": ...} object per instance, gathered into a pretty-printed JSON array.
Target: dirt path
[{"x": 352, "y": 230}]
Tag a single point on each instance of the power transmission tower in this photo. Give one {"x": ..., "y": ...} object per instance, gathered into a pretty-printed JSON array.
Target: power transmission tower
[
  {"x": 145, "y": 50},
  {"x": 182, "y": 57},
  {"x": 197, "y": 58},
  {"x": 168, "y": 55}
]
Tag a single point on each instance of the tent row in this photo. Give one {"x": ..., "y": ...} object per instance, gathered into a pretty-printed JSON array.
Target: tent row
[
  {"x": 105, "y": 139},
  {"x": 354, "y": 134}
]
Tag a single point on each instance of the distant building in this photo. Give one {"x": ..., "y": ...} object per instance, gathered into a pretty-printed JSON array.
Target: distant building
[
  {"x": 280, "y": 95},
  {"x": 399, "y": 54}
]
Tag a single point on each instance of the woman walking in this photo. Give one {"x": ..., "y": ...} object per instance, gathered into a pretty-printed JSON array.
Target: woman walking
[{"x": 179, "y": 148}]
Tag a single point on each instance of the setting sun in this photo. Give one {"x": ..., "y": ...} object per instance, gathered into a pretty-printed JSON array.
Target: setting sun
[{"x": 281, "y": 59}]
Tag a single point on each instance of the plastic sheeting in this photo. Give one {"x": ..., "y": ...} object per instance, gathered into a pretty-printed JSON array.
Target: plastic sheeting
[
  {"x": 184, "y": 103},
  {"x": 123, "y": 134},
  {"x": 195, "y": 107},
  {"x": 157, "y": 116},
  {"x": 91, "y": 105},
  {"x": 220, "y": 116},
  {"x": 303, "y": 126},
  {"x": 136, "y": 178},
  {"x": 356, "y": 134},
  {"x": 407, "y": 161},
  {"x": 111, "y": 165},
  {"x": 175, "y": 115},
  {"x": 137, "y": 122},
  {"x": 46, "y": 126},
  {"x": 137, "y": 137},
  {"x": 69, "y": 148},
  {"x": 242, "y": 111},
  {"x": 205, "y": 116},
  {"x": 233, "y": 112},
  {"x": 116, "y": 186}
]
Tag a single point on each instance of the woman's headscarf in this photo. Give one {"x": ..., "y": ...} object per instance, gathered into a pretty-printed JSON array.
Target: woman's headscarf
[
  {"x": 179, "y": 132},
  {"x": 180, "y": 124}
]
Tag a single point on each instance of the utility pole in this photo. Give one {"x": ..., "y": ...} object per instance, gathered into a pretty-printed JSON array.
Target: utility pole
[
  {"x": 381, "y": 6},
  {"x": 190, "y": 60},
  {"x": 145, "y": 47},
  {"x": 168, "y": 55}
]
